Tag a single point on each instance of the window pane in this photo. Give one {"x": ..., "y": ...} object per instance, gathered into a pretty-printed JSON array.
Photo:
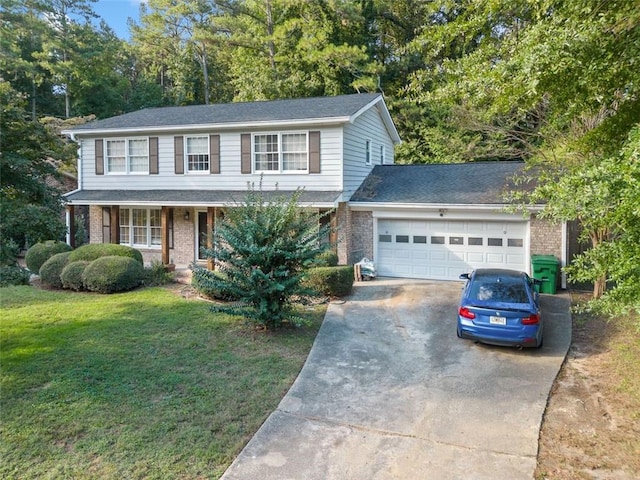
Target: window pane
[
  {"x": 367, "y": 152},
  {"x": 116, "y": 158},
  {"x": 456, "y": 240},
  {"x": 138, "y": 157},
  {"x": 294, "y": 151},
  {"x": 125, "y": 230},
  {"x": 402, "y": 238},
  {"x": 197, "y": 154},
  {"x": 437, "y": 240},
  {"x": 494, "y": 242},
  {"x": 155, "y": 220},
  {"x": 266, "y": 152},
  {"x": 384, "y": 238},
  {"x": 139, "y": 226},
  {"x": 475, "y": 240},
  {"x": 515, "y": 242},
  {"x": 419, "y": 239}
]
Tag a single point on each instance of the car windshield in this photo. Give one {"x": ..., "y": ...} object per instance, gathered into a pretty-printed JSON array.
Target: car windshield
[{"x": 498, "y": 290}]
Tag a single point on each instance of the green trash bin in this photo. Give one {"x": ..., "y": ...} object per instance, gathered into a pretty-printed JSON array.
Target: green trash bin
[{"x": 545, "y": 268}]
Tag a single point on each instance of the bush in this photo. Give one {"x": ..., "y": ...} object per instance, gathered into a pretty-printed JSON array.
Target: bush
[
  {"x": 331, "y": 281},
  {"x": 9, "y": 251},
  {"x": 13, "y": 275},
  {"x": 203, "y": 280},
  {"x": 52, "y": 268},
  {"x": 41, "y": 252},
  {"x": 328, "y": 258},
  {"x": 93, "y": 251},
  {"x": 71, "y": 275},
  {"x": 157, "y": 274},
  {"x": 113, "y": 274}
]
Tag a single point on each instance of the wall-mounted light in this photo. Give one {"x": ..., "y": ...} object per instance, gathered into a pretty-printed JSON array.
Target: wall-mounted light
[
  {"x": 186, "y": 215},
  {"x": 442, "y": 211}
]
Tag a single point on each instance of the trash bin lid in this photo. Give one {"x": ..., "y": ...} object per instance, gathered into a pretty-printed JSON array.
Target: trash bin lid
[{"x": 544, "y": 259}]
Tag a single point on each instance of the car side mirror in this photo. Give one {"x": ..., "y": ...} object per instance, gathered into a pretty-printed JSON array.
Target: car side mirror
[
  {"x": 465, "y": 276},
  {"x": 537, "y": 281}
]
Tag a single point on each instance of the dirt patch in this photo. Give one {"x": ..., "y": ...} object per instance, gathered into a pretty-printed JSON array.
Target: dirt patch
[{"x": 591, "y": 427}]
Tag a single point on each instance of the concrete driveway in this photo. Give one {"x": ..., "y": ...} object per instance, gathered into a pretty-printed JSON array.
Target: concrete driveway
[{"x": 390, "y": 392}]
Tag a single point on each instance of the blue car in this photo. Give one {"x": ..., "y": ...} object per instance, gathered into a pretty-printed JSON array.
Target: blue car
[{"x": 500, "y": 307}]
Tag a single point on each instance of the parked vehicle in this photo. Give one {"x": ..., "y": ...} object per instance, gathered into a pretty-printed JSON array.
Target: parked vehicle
[{"x": 500, "y": 307}]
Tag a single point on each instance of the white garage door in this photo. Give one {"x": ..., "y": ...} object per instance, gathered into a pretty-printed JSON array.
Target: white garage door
[{"x": 442, "y": 250}]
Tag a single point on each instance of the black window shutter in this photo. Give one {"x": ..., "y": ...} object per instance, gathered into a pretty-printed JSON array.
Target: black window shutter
[
  {"x": 314, "y": 152},
  {"x": 178, "y": 149},
  {"x": 153, "y": 155},
  {"x": 245, "y": 153},
  {"x": 214, "y": 153}
]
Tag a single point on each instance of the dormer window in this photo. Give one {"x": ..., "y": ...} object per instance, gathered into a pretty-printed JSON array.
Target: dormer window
[
  {"x": 127, "y": 155},
  {"x": 280, "y": 152}
]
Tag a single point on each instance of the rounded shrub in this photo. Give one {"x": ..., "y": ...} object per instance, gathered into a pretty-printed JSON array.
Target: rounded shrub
[
  {"x": 71, "y": 275},
  {"x": 113, "y": 274},
  {"x": 328, "y": 258},
  {"x": 41, "y": 252},
  {"x": 51, "y": 269},
  {"x": 330, "y": 281},
  {"x": 93, "y": 251}
]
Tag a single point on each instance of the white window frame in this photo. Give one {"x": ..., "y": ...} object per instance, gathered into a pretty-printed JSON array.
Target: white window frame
[
  {"x": 186, "y": 155},
  {"x": 148, "y": 228},
  {"x": 280, "y": 153},
  {"x": 367, "y": 152},
  {"x": 127, "y": 156}
]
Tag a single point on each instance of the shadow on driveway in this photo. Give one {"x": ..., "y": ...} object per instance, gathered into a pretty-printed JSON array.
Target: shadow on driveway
[{"x": 390, "y": 392}]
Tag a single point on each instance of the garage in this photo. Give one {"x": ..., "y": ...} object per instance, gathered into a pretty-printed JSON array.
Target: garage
[{"x": 443, "y": 249}]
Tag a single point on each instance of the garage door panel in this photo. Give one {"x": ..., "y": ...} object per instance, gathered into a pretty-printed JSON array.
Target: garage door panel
[{"x": 440, "y": 249}]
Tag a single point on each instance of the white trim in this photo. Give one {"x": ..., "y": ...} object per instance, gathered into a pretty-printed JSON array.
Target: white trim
[
  {"x": 384, "y": 113},
  {"x": 564, "y": 260},
  {"x": 127, "y": 156},
  {"x": 208, "y": 127},
  {"x": 280, "y": 170},
  {"x": 185, "y": 154},
  {"x": 398, "y": 207},
  {"x": 159, "y": 203}
]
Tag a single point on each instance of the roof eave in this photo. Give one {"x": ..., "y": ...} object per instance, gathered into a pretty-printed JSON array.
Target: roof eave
[
  {"x": 364, "y": 206},
  {"x": 386, "y": 117},
  {"x": 209, "y": 126}
]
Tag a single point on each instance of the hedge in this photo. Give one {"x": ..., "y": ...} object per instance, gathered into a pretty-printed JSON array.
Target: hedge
[
  {"x": 52, "y": 268},
  {"x": 93, "y": 251},
  {"x": 113, "y": 274},
  {"x": 41, "y": 252},
  {"x": 71, "y": 275},
  {"x": 331, "y": 281},
  {"x": 328, "y": 258}
]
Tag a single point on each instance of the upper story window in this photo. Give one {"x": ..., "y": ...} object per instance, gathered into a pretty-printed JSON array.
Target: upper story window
[
  {"x": 367, "y": 152},
  {"x": 382, "y": 155},
  {"x": 127, "y": 155},
  {"x": 281, "y": 152},
  {"x": 197, "y": 154}
]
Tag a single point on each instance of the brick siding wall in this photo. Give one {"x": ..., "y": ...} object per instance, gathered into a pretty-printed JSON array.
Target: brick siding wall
[
  {"x": 546, "y": 238},
  {"x": 361, "y": 236}
]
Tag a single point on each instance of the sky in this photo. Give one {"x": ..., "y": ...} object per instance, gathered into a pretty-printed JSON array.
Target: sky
[{"x": 116, "y": 13}]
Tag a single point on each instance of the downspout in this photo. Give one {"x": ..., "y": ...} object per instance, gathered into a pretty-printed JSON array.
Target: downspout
[{"x": 79, "y": 179}]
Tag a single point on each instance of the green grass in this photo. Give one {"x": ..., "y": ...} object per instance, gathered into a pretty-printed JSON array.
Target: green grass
[{"x": 143, "y": 384}]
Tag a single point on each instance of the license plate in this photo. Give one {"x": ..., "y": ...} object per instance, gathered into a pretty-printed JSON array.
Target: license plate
[{"x": 497, "y": 320}]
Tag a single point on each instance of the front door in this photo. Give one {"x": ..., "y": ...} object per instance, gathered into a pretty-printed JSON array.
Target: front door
[{"x": 201, "y": 237}]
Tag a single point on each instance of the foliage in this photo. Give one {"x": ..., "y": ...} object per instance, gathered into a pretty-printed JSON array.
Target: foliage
[
  {"x": 93, "y": 251},
  {"x": 261, "y": 246},
  {"x": 13, "y": 275},
  {"x": 202, "y": 280},
  {"x": 328, "y": 258},
  {"x": 156, "y": 274},
  {"x": 9, "y": 252},
  {"x": 71, "y": 275},
  {"x": 30, "y": 209},
  {"x": 112, "y": 274},
  {"x": 143, "y": 377},
  {"x": 41, "y": 252},
  {"x": 331, "y": 281},
  {"x": 51, "y": 270}
]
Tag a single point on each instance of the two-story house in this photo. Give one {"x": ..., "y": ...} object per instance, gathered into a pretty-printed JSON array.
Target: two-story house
[{"x": 158, "y": 179}]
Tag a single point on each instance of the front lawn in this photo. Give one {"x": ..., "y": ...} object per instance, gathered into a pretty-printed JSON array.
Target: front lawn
[{"x": 143, "y": 384}]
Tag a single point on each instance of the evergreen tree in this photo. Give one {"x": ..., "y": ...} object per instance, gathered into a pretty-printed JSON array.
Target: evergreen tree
[{"x": 262, "y": 246}]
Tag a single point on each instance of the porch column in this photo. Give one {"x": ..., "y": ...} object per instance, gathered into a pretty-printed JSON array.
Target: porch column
[
  {"x": 333, "y": 234},
  {"x": 211, "y": 216},
  {"x": 115, "y": 224},
  {"x": 164, "y": 225},
  {"x": 71, "y": 222}
]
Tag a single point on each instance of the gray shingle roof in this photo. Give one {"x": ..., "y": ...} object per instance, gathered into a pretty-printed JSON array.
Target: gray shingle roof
[
  {"x": 189, "y": 197},
  {"x": 236, "y": 113},
  {"x": 460, "y": 184}
]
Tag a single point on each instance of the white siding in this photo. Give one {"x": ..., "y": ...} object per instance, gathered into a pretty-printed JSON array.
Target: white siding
[
  {"x": 229, "y": 177},
  {"x": 368, "y": 126}
]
